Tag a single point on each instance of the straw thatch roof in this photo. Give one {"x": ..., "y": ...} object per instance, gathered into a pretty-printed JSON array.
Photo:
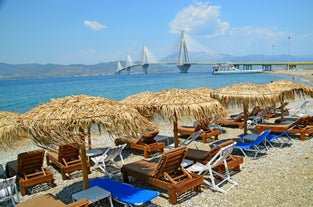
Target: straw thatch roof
[
  {"x": 9, "y": 129},
  {"x": 181, "y": 103},
  {"x": 245, "y": 95},
  {"x": 288, "y": 89},
  {"x": 63, "y": 119},
  {"x": 202, "y": 91},
  {"x": 135, "y": 98},
  {"x": 249, "y": 93}
]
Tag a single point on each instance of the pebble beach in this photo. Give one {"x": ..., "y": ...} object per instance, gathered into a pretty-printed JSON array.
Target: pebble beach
[{"x": 281, "y": 177}]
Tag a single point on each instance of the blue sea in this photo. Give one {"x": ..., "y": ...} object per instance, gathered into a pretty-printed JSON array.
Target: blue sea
[{"x": 20, "y": 95}]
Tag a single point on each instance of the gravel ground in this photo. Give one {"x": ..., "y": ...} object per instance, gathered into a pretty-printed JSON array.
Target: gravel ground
[{"x": 281, "y": 177}]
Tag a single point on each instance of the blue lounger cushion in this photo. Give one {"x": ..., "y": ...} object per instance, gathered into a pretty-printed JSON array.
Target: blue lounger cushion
[{"x": 123, "y": 192}]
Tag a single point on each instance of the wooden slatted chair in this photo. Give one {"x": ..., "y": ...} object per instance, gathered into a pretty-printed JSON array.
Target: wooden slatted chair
[
  {"x": 67, "y": 159},
  {"x": 166, "y": 174},
  {"x": 29, "y": 169}
]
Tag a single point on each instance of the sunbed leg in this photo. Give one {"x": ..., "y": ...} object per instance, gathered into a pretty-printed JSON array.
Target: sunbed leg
[
  {"x": 172, "y": 196},
  {"x": 145, "y": 153},
  {"x": 216, "y": 137},
  {"x": 63, "y": 174},
  {"x": 204, "y": 139},
  {"x": 197, "y": 188},
  {"x": 22, "y": 189},
  {"x": 52, "y": 184},
  {"x": 302, "y": 136},
  {"x": 48, "y": 161},
  {"x": 125, "y": 177}
]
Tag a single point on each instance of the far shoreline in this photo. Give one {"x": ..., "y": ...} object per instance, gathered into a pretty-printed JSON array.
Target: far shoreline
[{"x": 306, "y": 74}]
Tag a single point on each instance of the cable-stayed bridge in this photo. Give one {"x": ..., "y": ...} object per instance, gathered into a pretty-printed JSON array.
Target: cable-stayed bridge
[{"x": 184, "y": 61}]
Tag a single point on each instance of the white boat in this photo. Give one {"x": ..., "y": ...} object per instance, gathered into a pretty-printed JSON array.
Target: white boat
[{"x": 227, "y": 68}]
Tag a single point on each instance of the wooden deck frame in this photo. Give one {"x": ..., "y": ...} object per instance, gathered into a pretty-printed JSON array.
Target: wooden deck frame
[
  {"x": 67, "y": 159},
  {"x": 204, "y": 134},
  {"x": 29, "y": 169},
  {"x": 166, "y": 174}
]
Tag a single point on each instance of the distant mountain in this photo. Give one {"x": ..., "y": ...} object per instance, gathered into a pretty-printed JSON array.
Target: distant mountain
[
  {"x": 8, "y": 71},
  {"x": 55, "y": 70},
  {"x": 205, "y": 57}
]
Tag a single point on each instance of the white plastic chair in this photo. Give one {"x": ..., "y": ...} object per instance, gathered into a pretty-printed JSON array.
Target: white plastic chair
[
  {"x": 108, "y": 157},
  {"x": 8, "y": 188},
  {"x": 219, "y": 157},
  {"x": 301, "y": 111},
  {"x": 188, "y": 140}
]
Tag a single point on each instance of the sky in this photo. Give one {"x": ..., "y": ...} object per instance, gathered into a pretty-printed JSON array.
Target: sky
[{"x": 95, "y": 31}]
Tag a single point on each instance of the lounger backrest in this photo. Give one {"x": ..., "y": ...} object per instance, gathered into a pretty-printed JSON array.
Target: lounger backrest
[
  {"x": 239, "y": 117},
  {"x": 68, "y": 152},
  {"x": 170, "y": 161},
  {"x": 221, "y": 155},
  {"x": 261, "y": 137},
  {"x": 255, "y": 111},
  {"x": 216, "y": 148},
  {"x": 191, "y": 138},
  {"x": 287, "y": 131},
  {"x": 31, "y": 161},
  {"x": 112, "y": 153},
  {"x": 147, "y": 137}
]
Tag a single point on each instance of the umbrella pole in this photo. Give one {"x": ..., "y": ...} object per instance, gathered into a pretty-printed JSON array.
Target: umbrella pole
[
  {"x": 84, "y": 160},
  {"x": 282, "y": 108},
  {"x": 175, "y": 131},
  {"x": 89, "y": 138},
  {"x": 245, "y": 117}
]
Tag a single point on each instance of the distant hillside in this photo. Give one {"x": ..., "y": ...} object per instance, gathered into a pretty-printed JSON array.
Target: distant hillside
[
  {"x": 8, "y": 71},
  {"x": 55, "y": 70}
]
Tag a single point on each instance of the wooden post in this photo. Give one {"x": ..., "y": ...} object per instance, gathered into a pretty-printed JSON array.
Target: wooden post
[
  {"x": 175, "y": 131},
  {"x": 282, "y": 109},
  {"x": 84, "y": 160},
  {"x": 89, "y": 138},
  {"x": 245, "y": 117}
]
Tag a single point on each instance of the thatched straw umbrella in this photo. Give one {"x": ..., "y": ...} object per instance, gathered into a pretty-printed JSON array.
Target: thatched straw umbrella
[
  {"x": 135, "y": 98},
  {"x": 65, "y": 119},
  {"x": 174, "y": 104},
  {"x": 202, "y": 91},
  {"x": 245, "y": 94},
  {"x": 9, "y": 129},
  {"x": 288, "y": 90}
]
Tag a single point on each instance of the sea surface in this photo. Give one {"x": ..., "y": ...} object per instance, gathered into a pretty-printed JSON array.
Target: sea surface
[{"x": 20, "y": 95}]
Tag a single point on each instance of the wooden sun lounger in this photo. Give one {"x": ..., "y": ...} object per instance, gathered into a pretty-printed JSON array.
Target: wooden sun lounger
[
  {"x": 67, "y": 159},
  {"x": 204, "y": 134},
  {"x": 146, "y": 143},
  {"x": 29, "y": 169},
  {"x": 301, "y": 123},
  {"x": 49, "y": 200},
  {"x": 166, "y": 174},
  {"x": 233, "y": 122}
]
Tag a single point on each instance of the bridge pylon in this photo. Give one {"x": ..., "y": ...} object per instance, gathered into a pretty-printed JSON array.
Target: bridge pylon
[
  {"x": 183, "y": 60},
  {"x": 119, "y": 68},
  {"x": 128, "y": 64},
  {"x": 144, "y": 59}
]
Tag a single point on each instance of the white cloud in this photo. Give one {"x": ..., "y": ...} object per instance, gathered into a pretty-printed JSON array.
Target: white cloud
[
  {"x": 199, "y": 17},
  {"x": 203, "y": 21},
  {"x": 94, "y": 25}
]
